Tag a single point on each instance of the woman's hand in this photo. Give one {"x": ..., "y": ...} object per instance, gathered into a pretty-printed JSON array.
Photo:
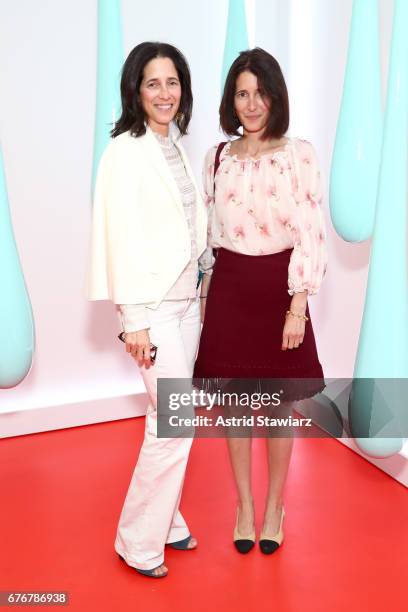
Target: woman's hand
[
  {"x": 203, "y": 302},
  {"x": 205, "y": 287},
  {"x": 294, "y": 328},
  {"x": 138, "y": 345},
  {"x": 293, "y": 332}
]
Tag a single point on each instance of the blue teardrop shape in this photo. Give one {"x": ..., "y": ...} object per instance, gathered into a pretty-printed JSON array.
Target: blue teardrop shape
[
  {"x": 383, "y": 343},
  {"x": 357, "y": 149},
  {"x": 16, "y": 317},
  {"x": 109, "y": 65},
  {"x": 236, "y": 38}
]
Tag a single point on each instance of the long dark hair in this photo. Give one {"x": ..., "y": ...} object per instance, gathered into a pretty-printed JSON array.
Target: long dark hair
[
  {"x": 270, "y": 79},
  {"x": 133, "y": 116}
]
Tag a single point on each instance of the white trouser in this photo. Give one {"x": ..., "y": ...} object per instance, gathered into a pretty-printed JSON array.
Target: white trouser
[{"x": 150, "y": 517}]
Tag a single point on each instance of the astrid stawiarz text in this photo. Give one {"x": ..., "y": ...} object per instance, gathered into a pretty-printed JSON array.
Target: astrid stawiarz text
[{"x": 244, "y": 421}]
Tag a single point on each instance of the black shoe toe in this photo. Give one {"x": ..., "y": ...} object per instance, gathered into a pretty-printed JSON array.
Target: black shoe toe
[
  {"x": 244, "y": 546},
  {"x": 268, "y": 546}
]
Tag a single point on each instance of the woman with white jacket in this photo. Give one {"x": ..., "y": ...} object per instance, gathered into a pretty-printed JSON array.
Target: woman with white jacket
[{"x": 148, "y": 231}]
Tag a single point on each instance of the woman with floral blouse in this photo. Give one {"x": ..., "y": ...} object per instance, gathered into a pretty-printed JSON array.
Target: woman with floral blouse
[{"x": 266, "y": 228}]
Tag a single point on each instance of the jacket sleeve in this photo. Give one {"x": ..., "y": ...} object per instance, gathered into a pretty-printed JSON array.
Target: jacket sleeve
[
  {"x": 118, "y": 269},
  {"x": 133, "y": 317}
]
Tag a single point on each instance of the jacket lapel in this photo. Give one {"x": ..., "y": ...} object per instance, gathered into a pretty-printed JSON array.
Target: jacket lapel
[{"x": 155, "y": 156}]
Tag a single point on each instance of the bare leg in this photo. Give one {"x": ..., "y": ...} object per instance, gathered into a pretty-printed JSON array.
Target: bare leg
[
  {"x": 279, "y": 453},
  {"x": 240, "y": 456}
]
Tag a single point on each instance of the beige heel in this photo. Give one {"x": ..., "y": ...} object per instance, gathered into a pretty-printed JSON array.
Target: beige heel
[
  {"x": 243, "y": 544},
  {"x": 268, "y": 544}
]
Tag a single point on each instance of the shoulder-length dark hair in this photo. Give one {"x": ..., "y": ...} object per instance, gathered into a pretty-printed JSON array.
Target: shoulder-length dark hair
[
  {"x": 270, "y": 80},
  {"x": 133, "y": 116}
]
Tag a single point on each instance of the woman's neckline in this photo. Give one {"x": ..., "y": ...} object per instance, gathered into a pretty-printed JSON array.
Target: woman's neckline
[
  {"x": 234, "y": 156},
  {"x": 172, "y": 138},
  {"x": 165, "y": 141}
]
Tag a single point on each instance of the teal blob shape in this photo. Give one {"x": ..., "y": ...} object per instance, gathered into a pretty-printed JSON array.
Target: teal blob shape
[
  {"x": 379, "y": 448},
  {"x": 357, "y": 150},
  {"x": 17, "y": 338},
  {"x": 236, "y": 39},
  {"x": 383, "y": 343},
  {"x": 109, "y": 65}
]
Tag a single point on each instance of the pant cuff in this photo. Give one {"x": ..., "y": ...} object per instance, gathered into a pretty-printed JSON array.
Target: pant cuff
[{"x": 143, "y": 565}]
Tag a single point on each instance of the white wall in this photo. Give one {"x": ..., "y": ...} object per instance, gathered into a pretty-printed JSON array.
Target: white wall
[{"x": 47, "y": 63}]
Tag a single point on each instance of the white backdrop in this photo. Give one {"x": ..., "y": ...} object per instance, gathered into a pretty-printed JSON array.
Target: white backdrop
[{"x": 48, "y": 63}]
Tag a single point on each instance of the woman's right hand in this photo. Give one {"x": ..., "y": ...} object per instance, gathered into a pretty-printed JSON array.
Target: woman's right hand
[{"x": 138, "y": 345}]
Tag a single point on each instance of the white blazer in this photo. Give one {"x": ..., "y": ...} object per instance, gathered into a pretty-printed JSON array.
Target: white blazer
[{"x": 140, "y": 242}]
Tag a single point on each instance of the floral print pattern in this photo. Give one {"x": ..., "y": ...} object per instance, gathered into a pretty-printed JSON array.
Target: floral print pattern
[{"x": 267, "y": 205}]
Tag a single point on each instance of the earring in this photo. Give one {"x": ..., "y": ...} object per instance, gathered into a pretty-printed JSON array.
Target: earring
[{"x": 179, "y": 116}]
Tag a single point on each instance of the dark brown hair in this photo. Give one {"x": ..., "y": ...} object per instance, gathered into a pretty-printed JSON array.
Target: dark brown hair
[
  {"x": 270, "y": 80},
  {"x": 133, "y": 115}
]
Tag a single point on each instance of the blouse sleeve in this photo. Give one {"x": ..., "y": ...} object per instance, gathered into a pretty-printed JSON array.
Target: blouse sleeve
[
  {"x": 207, "y": 259},
  {"x": 308, "y": 261}
]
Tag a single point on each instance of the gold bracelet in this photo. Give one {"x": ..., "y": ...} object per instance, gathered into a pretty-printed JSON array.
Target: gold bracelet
[{"x": 298, "y": 315}]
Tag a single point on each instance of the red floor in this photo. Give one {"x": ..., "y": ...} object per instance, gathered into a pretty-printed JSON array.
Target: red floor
[{"x": 346, "y": 531}]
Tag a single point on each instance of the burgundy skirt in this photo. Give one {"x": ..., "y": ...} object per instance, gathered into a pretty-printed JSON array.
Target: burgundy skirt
[{"x": 241, "y": 337}]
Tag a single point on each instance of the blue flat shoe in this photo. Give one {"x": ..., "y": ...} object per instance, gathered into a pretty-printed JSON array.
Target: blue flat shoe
[
  {"x": 149, "y": 572},
  {"x": 181, "y": 544}
]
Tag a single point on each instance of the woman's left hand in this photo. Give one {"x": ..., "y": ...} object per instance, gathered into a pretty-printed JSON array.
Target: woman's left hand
[
  {"x": 294, "y": 328},
  {"x": 293, "y": 332}
]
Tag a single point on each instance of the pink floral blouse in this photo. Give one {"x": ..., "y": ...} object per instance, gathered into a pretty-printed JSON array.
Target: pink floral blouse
[{"x": 267, "y": 205}]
